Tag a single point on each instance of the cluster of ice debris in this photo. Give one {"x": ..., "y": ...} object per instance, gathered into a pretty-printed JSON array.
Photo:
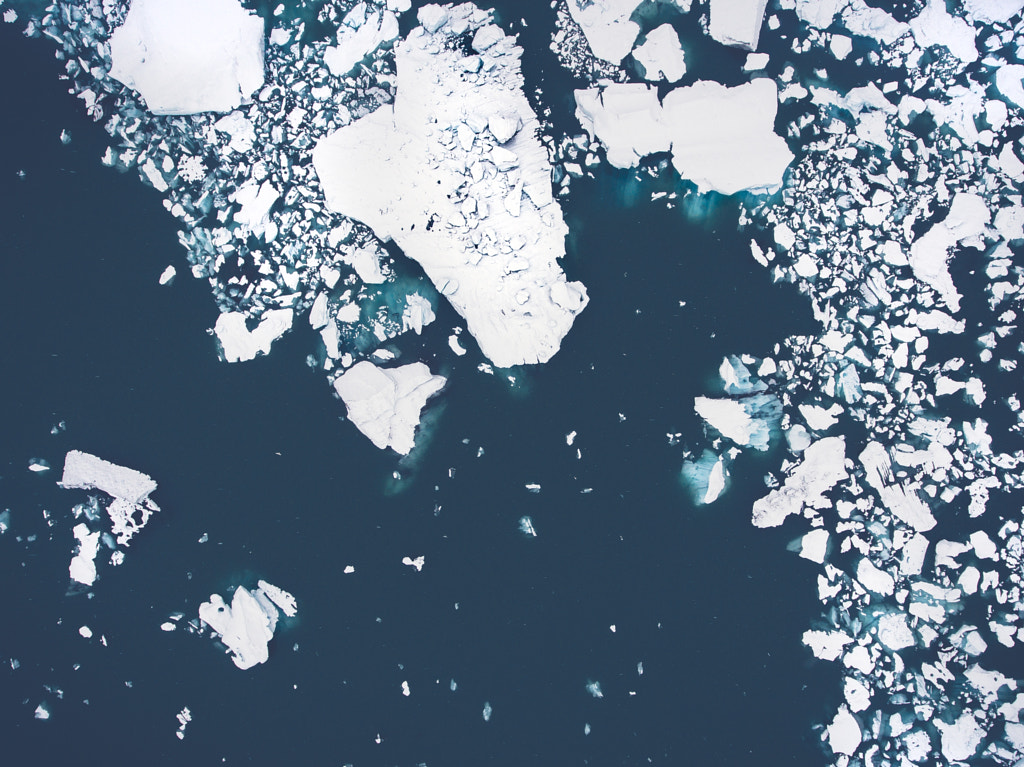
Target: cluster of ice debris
[
  {"x": 224, "y": 121},
  {"x": 129, "y": 509},
  {"x": 902, "y": 221}
]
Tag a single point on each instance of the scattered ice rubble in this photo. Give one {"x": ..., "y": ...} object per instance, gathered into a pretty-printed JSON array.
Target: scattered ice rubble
[
  {"x": 228, "y": 136},
  {"x": 893, "y": 438},
  {"x": 129, "y": 510},
  {"x": 247, "y": 625},
  {"x": 905, "y": 173}
]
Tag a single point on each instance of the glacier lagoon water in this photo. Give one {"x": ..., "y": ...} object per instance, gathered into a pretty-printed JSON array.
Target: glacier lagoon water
[{"x": 257, "y": 457}]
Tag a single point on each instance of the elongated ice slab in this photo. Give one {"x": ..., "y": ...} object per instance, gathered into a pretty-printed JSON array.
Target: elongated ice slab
[
  {"x": 453, "y": 172},
  {"x": 385, "y": 403},
  {"x": 189, "y": 56}
]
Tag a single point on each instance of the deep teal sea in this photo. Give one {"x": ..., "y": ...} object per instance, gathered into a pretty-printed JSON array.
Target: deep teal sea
[{"x": 259, "y": 457}]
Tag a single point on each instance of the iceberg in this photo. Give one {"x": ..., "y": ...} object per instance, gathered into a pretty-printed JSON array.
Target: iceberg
[
  {"x": 189, "y": 56},
  {"x": 385, "y": 403},
  {"x": 706, "y": 477},
  {"x": 362, "y": 31},
  {"x": 929, "y": 255},
  {"x": 722, "y": 139},
  {"x": 83, "y": 565},
  {"x": 606, "y": 25},
  {"x": 83, "y": 471},
  {"x": 247, "y": 625},
  {"x": 661, "y": 55},
  {"x": 454, "y": 174},
  {"x": 823, "y": 465},
  {"x": 737, "y": 22},
  {"x": 239, "y": 344},
  {"x": 746, "y": 421}
]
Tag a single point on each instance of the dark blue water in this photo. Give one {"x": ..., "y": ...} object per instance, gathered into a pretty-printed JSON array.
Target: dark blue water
[{"x": 258, "y": 457}]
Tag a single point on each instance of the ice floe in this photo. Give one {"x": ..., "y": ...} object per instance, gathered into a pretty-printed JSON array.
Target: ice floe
[
  {"x": 188, "y": 56},
  {"x": 737, "y": 22},
  {"x": 661, "y": 55}
]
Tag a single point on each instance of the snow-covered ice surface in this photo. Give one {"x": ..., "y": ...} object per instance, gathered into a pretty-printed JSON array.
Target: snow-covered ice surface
[{"x": 456, "y": 176}]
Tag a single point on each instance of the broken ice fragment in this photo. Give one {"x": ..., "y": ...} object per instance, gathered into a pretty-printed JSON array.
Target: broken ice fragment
[
  {"x": 661, "y": 55},
  {"x": 189, "y": 56},
  {"x": 385, "y": 403}
]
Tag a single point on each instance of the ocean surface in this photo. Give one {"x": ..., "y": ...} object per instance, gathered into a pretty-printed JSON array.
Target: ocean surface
[{"x": 625, "y": 573}]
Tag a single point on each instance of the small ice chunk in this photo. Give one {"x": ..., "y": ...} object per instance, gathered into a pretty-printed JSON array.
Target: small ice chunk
[
  {"x": 42, "y": 712},
  {"x": 385, "y": 403},
  {"x": 167, "y": 275},
  {"x": 755, "y": 62},
  {"x": 874, "y": 579},
  {"x": 606, "y": 25},
  {"x": 85, "y": 632},
  {"x": 960, "y": 740},
  {"x": 894, "y": 633},
  {"x": 594, "y": 688},
  {"x": 189, "y": 56}
]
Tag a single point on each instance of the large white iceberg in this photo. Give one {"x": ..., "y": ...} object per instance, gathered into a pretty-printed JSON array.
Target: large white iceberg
[
  {"x": 723, "y": 139},
  {"x": 189, "y": 56},
  {"x": 454, "y": 173},
  {"x": 385, "y": 403}
]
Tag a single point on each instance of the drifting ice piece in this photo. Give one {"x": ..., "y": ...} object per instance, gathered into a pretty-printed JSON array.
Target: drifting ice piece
[
  {"x": 385, "y": 403},
  {"x": 737, "y": 22},
  {"x": 189, "y": 56},
  {"x": 453, "y": 172},
  {"x": 360, "y": 34},
  {"x": 747, "y": 421}
]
